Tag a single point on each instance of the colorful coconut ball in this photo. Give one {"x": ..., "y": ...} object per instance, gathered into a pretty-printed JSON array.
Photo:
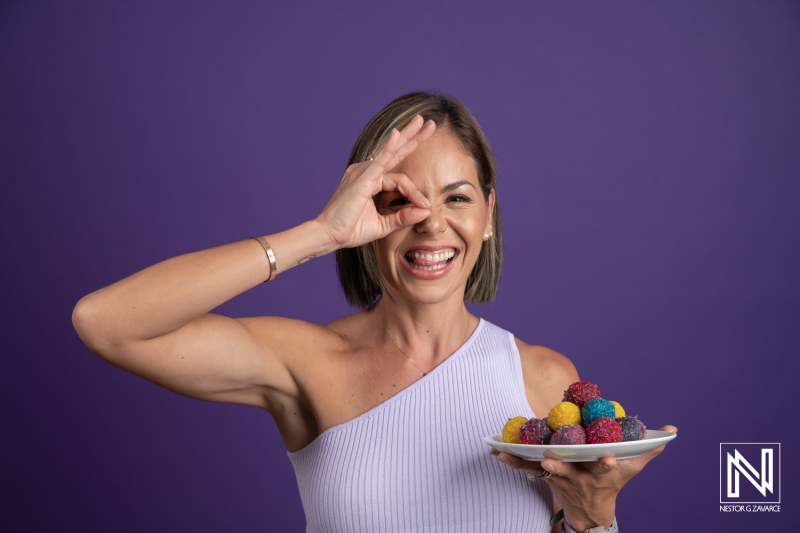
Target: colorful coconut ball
[
  {"x": 564, "y": 414},
  {"x": 535, "y": 431},
  {"x": 603, "y": 431},
  {"x": 581, "y": 392},
  {"x": 569, "y": 435},
  {"x": 583, "y": 417},
  {"x": 619, "y": 412},
  {"x": 597, "y": 408},
  {"x": 511, "y": 429},
  {"x": 632, "y": 428}
]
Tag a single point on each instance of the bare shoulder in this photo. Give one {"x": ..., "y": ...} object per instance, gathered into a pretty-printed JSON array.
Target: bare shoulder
[
  {"x": 305, "y": 349},
  {"x": 299, "y": 349},
  {"x": 352, "y": 329},
  {"x": 541, "y": 362},
  {"x": 546, "y": 373},
  {"x": 287, "y": 335}
]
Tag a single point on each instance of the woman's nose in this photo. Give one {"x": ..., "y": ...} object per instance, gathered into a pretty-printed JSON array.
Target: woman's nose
[{"x": 435, "y": 223}]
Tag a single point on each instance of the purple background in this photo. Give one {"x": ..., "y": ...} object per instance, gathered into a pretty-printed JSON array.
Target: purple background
[{"x": 649, "y": 188}]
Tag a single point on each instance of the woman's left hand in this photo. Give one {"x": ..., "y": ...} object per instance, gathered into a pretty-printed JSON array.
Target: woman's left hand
[{"x": 586, "y": 491}]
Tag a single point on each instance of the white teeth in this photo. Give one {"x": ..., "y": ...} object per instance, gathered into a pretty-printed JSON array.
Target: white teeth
[
  {"x": 429, "y": 268},
  {"x": 434, "y": 257}
]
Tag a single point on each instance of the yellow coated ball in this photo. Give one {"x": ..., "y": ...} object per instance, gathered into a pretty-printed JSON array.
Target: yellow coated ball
[
  {"x": 564, "y": 414},
  {"x": 511, "y": 429},
  {"x": 619, "y": 412}
]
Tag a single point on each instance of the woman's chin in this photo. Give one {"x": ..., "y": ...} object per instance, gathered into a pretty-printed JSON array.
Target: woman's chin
[{"x": 427, "y": 293}]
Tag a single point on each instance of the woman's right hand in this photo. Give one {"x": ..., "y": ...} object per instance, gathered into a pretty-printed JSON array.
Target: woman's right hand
[{"x": 350, "y": 218}]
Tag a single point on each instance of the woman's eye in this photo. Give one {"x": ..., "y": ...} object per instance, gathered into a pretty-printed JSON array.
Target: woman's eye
[
  {"x": 399, "y": 202},
  {"x": 458, "y": 198}
]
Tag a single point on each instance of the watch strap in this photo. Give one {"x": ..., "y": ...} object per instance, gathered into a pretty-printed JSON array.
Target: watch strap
[
  {"x": 556, "y": 517},
  {"x": 566, "y": 528}
]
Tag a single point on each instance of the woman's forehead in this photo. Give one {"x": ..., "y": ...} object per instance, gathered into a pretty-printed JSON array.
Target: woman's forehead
[{"x": 438, "y": 162}]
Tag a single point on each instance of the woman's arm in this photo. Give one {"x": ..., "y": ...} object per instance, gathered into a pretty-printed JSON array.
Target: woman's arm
[{"x": 157, "y": 322}]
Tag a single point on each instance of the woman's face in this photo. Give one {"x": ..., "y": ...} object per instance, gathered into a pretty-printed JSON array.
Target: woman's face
[{"x": 431, "y": 261}]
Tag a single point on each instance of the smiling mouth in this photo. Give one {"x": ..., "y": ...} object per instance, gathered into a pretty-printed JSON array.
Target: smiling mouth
[{"x": 429, "y": 261}]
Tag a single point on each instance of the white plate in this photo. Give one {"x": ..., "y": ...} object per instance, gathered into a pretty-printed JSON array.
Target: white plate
[{"x": 583, "y": 452}]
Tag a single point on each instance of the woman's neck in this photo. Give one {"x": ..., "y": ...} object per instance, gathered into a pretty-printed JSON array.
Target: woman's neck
[{"x": 427, "y": 333}]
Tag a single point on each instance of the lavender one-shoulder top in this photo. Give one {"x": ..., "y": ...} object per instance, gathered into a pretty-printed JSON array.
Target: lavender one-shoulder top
[{"x": 417, "y": 462}]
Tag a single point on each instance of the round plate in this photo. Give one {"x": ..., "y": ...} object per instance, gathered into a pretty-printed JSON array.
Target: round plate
[{"x": 583, "y": 452}]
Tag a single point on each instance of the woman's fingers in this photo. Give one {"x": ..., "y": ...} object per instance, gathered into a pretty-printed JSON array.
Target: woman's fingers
[
  {"x": 408, "y": 138},
  {"x": 387, "y": 156},
  {"x": 571, "y": 470},
  {"x": 398, "y": 146},
  {"x": 604, "y": 465},
  {"x": 349, "y": 215},
  {"x": 402, "y": 184},
  {"x": 516, "y": 462},
  {"x": 652, "y": 454},
  {"x": 556, "y": 467},
  {"x": 408, "y": 215},
  {"x": 373, "y": 175},
  {"x": 405, "y": 217},
  {"x": 411, "y": 143}
]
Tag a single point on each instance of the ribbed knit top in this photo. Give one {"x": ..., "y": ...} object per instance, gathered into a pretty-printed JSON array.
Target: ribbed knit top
[{"x": 417, "y": 462}]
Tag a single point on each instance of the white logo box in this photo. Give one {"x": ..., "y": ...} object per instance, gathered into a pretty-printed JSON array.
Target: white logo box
[{"x": 760, "y": 468}]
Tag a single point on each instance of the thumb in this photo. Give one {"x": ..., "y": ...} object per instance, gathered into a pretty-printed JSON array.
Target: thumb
[{"x": 403, "y": 218}]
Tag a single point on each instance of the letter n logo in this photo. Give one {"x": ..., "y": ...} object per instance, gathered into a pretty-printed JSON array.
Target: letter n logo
[{"x": 748, "y": 472}]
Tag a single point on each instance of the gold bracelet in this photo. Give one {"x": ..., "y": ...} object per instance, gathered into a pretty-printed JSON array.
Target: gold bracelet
[{"x": 273, "y": 266}]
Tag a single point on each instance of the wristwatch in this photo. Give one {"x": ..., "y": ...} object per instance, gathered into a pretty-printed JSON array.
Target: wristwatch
[{"x": 566, "y": 528}]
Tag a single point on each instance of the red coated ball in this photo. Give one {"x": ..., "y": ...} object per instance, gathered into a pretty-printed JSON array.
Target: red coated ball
[
  {"x": 535, "y": 431},
  {"x": 573, "y": 434},
  {"x": 603, "y": 431},
  {"x": 581, "y": 392}
]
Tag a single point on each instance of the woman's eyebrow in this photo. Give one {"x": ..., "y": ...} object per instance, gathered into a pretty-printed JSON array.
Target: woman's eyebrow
[{"x": 456, "y": 185}]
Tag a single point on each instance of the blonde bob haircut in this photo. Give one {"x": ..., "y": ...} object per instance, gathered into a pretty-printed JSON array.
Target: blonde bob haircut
[{"x": 359, "y": 274}]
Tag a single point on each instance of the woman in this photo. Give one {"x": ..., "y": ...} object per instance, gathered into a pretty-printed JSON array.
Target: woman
[{"x": 383, "y": 411}]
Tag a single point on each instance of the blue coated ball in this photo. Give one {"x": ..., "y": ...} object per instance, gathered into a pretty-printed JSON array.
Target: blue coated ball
[{"x": 597, "y": 408}]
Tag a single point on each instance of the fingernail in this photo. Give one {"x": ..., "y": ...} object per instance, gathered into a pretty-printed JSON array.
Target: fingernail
[
  {"x": 504, "y": 460},
  {"x": 606, "y": 466},
  {"x": 427, "y": 202},
  {"x": 546, "y": 467}
]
